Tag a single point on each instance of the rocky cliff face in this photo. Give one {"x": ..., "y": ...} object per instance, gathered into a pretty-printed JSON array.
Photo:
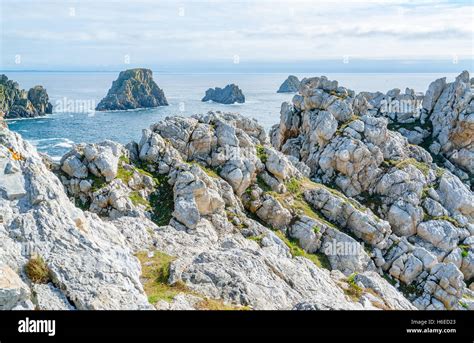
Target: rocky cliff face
[
  {"x": 17, "y": 103},
  {"x": 133, "y": 89},
  {"x": 290, "y": 85},
  {"x": 334, "y": 211},
  {"x": 228, "y": 95},
  {"x": 441, "y": 121},
  {"x": 350, "y": 149}
]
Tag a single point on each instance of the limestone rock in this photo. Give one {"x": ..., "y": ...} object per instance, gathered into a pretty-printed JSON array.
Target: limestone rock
[
  {"x": 290, "y": 85},
  {"x": 13, "y": 291},
  {"x": 17, "y": 103},
  {"x": 228, "y": 95},
  {"x": 134, "y": 88},
  {"x": 87, "y": 257},
  {"x": 48, "y": 297}
]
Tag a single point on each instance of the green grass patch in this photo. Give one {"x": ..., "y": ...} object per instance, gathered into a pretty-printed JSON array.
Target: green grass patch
[
  {"x": 300, "y": 206},
  {"x": 451, "y": 220},
  {"x": 293, "y": 186},
  {"x": 464, "y": 250},
  {"x": 261, "y": 154},
  {"x": 137, "y": 199},
  {"x": 124, "y": 159},
  {"x": 124, "y": 174},
  {"x": 354, "y": 290},
  {"x": 209, "y": 171},
  {"x": 319, "y": 259},
  {"x": 257, "y": 239},
  {"x": 155, "y": 275},
  {"x": 421, "y": 166},
  {"x": 448, "y": 219},
  {"x": 440, "y": 172}
]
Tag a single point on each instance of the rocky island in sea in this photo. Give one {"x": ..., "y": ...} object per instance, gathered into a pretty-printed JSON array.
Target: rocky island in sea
[
  {"x": 230, "y": 94},
  {"x": 290, "y": 85},
  {"x": 334, "y": 209},
  {"x": 18, "y": 103},
  {"x": 133, "y": 89}
]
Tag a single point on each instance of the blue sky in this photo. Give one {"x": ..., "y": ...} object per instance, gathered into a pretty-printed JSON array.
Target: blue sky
[{"x": 111, "y": 34}]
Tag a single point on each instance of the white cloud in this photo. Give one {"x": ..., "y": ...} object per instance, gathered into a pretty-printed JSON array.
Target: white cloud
[{"x": 256, "y": 30}]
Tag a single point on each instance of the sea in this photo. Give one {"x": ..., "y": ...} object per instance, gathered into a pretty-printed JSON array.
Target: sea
[{"x": 74, "y": 96}]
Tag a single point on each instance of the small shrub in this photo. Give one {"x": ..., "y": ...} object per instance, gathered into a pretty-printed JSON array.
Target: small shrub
[
  {"x": 261, "y": 154},
  {"x": 37, "y": 270},
  {"x": 97, "y": 183},
  {"x": 354, "y": 290},
  {"x": 293, "y": 186},
  {"x": 464, "y": 250},
  {"x": 124, "y": 159},
  {"x": 162, "y": 201}
]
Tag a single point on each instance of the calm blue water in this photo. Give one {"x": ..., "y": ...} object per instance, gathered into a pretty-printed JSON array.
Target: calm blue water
[{"x": 74, "y": 95}]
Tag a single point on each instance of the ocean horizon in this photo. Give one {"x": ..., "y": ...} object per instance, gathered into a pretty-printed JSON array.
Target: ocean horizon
[{"x": 74, "y": 96}]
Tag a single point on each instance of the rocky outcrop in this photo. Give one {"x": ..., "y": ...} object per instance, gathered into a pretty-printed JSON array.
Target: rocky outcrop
[
  {"x": 440, "y": 121},
  {"x": 230, "y": 94},
  {"x": 452, "y": 116},
  {"x": 396, "y": 198},
  {"x": 290, "y": 85},
  {"x": 334, "y": 211},
  {"x": 134, "y": 88},
  {"x": 207, "y": 172},
  {"x": 18, "y": 103},
  {"x": 88, "y": 259},
  {"x": 14, "y": 293}
]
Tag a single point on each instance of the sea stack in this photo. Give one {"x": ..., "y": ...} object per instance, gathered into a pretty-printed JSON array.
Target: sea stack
[
  {"x": 18, "y": 103},
  {"x": 228, "y": 95},
  {"x": 291, "y": 85},
  {"x": 133, "y": 89}
]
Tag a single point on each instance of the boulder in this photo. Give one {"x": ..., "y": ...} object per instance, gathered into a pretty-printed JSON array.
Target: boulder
[{"x": 14, "y": 293}]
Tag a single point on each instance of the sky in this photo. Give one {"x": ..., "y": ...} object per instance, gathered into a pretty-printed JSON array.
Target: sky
[{"x": 236, "y": 35}]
